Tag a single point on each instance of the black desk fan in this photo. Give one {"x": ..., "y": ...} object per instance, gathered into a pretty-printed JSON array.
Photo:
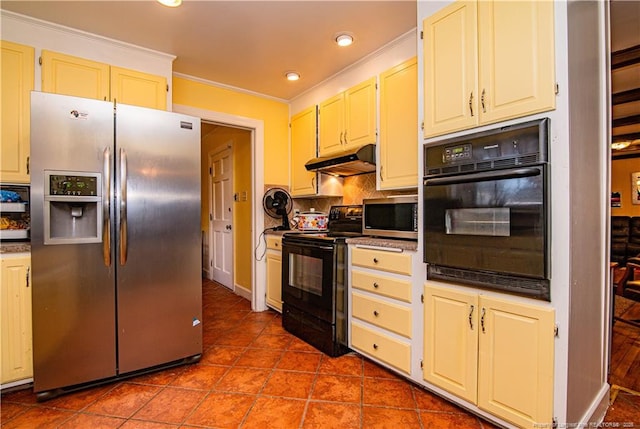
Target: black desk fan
[{"x": 277, "y": 203}]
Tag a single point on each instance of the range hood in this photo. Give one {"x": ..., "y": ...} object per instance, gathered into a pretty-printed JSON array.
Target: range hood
[{"x": 356, "y": 161}]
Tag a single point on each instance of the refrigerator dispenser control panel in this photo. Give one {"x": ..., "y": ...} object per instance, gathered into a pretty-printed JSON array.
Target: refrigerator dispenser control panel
[{"x": 79, "y": 186}]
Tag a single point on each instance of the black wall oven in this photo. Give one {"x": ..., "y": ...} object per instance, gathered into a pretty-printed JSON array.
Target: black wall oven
[{"x": 486, "y": 204}]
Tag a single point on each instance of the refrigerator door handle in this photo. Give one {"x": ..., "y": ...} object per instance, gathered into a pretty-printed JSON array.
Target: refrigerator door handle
[
  {"x": 106, "y": 208},
  {"x": 123, "y": 207}
]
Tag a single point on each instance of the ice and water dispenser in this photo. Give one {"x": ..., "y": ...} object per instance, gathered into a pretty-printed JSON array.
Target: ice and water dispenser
[{"x": 72, "y": 207}]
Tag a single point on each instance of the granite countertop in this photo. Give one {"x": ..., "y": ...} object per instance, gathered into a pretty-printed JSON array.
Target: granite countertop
[
  {"x": 385, "y": 242},
  {"x": 17, "y": 247}
]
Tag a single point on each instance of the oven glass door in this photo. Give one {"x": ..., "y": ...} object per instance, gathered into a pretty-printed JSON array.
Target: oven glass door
[
  {"x": 307, "y": 277},
  {"x": 493, "y": 221}
]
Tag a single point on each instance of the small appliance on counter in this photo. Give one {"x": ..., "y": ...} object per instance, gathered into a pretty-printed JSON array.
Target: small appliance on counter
[
  {"x": 312, "y": 221},
  {"x": 15, "y": 220},
  {"x": 392, "y": 217}
]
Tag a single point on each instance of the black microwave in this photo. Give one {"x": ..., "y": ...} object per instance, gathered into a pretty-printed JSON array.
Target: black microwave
[{"x": 395, "y": 217}]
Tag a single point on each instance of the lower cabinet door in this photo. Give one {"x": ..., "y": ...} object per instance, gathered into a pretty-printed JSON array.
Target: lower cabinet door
[
  {"x": 451, "y": 341},
  {"x": 274, "y": 280},
  {"x": 515, "y": 366}
]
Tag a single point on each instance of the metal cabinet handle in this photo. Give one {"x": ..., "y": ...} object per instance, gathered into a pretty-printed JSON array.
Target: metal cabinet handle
[
  {"x": 375, "y": 285},
  {"x": 375, "y": 260},
  {"x": 484, "y": 110},
  {"x": 28, "y": 272},
  {"x": 123, "y": 207},
  {"x": 28, "y": 166},
  {"x": 381, "y": 178},
  {"x": 313, "y": 182},
  {"x": 471, "y": 317},
  {"x": 471, "y": 103},
  {"x": 341, "y": 141},
  {"x": 375, "y": 313},
  {"x": 482, "y": 319},
  {"x": 106, "y": 208},
  {"x": 346, "y": 141},
  {"x": 375, "y": 346}
]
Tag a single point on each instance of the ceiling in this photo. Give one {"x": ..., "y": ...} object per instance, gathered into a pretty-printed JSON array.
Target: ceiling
[{"x": 245, "y": 44}]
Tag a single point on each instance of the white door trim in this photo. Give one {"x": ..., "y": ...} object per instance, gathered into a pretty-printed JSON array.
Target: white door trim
[{"x": 258, "y": 274}]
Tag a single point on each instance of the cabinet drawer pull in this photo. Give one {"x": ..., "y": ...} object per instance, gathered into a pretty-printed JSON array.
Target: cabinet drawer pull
[
  {"x": 375, "y": 285},
  {"x": 375, "y": 260},
  {"x": 471, "y": 103},
  {"x": 375, "y": 346},
  {"x": 482, "y": 320},
  {"x": 470, "y": 318},
  {"x": 375, "y": 313},
  {"x": 484, "y": 110}
]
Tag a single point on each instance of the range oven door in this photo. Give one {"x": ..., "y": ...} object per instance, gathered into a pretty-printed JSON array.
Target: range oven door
[
  {"x": 494, "y": 222},
  {"x": 308, "y": 277}
]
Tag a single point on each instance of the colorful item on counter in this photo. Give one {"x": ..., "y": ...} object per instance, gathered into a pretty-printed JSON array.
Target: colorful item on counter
[
  {"x": 312, "y": 221},
  {"x": 9, "y": 197}
]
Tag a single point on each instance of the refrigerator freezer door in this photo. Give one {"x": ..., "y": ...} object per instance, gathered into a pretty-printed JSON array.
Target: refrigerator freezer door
[
  {"x": 73, "y": 290},
  {"x": 158, "y": 262}
]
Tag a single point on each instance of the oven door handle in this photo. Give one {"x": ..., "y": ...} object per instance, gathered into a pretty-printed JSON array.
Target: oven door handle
[
  {"x": 485, "y": 177},
  {"x": 286, "y": 247}
]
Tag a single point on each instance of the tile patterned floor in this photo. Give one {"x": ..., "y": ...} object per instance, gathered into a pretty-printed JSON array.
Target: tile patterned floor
[{"x": 253, "y": 374}]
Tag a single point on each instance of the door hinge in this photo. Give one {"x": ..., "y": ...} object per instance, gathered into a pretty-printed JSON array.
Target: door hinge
[
  {"x": 167, "y": 87},
  {"x": 556, "y": 330},
  {"x": 40, "y": 60},
  {"x": 555, "y": 423},
  {"x": 421, "y": 364},
  {"x": 210, "y": 171},
  {"x": 210, "y": 216},
  {"x": 422, "y": 298},
  {"x": 422, "y": 125},
  {"x": 211, "y": 262},
  {"x": 557, "y": 89},
  {"x": 421, "y": 35}
]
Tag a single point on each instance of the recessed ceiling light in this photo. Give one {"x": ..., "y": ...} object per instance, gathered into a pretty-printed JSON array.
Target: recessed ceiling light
[
  {"x": 170, "y": 3},
  {"x": 344, "y": 39},
  {"x": 292, "y": 75}
]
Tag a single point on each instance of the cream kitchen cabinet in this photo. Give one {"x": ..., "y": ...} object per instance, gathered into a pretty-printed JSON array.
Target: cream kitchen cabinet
[
  {"x": 398, "y": 165},
  {"x": 15, "y": 315},
  {"x": 348, "y": 120},
  {"x": 381, "y": 316},
  {"x": 492, "y": 352},
  {"x": 487, "y": 61},
  {"x": 69, "y": 75},
  {"x": 274, "y": 272},
  {"x": 303, "y": 148},
  {"x": 16, "y": 83}
]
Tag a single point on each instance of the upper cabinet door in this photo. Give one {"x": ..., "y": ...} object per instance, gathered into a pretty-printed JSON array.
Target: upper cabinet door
[
  {"x": 303, "y": 148},
  {"x": 331, "y": 118},
  {"x": 398, "y": 164},
  {"x": 16, "y": 85},
  {"x": 68, "y": 75},
  {"x": 360, "y": 114},
  {"x": 516, "y": 58},
  {"x": 138, "y": 89},
  {"x": 450, "y": 69}
]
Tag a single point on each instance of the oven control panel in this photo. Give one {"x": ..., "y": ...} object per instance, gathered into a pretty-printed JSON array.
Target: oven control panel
[{"x": 456, "y": 153}]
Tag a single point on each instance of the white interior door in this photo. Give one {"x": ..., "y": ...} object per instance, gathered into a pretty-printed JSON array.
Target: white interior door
[{"x": 221, "y": 217}]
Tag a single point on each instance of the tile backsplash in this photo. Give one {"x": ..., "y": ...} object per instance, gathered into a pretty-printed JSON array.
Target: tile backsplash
[{"x": 355, "y": 189}]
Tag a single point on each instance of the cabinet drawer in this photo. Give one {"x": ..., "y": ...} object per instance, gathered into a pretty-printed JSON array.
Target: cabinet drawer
[
  {"x": 386, "y": 315},
  {"x": 274, "y": 242},
  {"x": 380, "y": 260},
  {"x": 394, "y": 352},
  {"x": 386, "y": 286}
]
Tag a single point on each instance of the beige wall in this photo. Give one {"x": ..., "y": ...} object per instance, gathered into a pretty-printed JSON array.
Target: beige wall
[
  {"x": 621, "y": 170},
  {"x": 274, "y": 114}
]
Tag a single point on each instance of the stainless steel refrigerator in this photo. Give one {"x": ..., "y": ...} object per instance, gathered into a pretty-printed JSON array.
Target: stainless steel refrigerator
[{"x": 115, "y": 241}]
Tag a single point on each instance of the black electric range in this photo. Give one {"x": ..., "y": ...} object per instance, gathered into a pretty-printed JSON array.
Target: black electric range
[{"x": 314, "y": 281}]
